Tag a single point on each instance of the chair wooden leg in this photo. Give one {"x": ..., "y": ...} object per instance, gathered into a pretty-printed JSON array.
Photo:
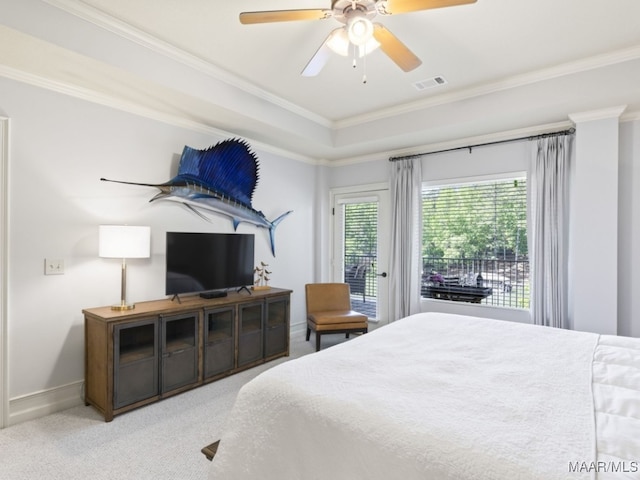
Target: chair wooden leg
[
  {"x": 346, "y": 335},
  {"x": 317, "y": 341},
  {"x": 308, "y": 333}
]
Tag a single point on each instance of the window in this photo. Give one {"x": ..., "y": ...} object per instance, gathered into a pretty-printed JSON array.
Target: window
[{"x": 475, "y": 235}]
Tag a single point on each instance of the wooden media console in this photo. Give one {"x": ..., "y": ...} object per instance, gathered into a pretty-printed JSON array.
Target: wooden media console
[{"x": 164, "y": 347}]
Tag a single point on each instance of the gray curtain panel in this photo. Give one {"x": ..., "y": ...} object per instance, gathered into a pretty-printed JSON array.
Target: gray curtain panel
[
  {"x": 406, "y": 238},
  {"x": 549, "y": 230}
]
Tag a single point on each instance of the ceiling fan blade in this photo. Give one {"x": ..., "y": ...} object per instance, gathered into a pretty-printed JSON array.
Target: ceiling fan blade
[
  {"x": 395, "y": 49},
  {"x": 247, "y": 18},
  {"x": 403, "y": 6},
  {"x": 319, "y": 59}
]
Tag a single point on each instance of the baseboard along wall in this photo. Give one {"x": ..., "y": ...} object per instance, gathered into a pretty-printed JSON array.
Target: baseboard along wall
[{"x": 46, "y": 402}]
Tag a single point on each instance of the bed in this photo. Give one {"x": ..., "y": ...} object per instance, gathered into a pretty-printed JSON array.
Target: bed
[{"x": 440, "y": 396}]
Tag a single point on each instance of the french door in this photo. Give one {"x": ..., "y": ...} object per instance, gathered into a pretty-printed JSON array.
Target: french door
[{"x": 361, "y": 240}]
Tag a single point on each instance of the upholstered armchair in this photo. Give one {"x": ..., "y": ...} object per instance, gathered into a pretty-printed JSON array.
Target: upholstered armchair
[{"x": 329, "y": 311}]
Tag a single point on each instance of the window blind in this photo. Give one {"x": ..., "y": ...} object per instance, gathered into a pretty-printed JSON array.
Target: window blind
[
  {"x": 360, "y": 230},
  {"x": 478, "y": 230},
  {"x": 481, "y": 220}
]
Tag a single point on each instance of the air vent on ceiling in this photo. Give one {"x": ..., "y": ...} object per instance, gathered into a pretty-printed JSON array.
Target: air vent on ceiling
[{"x": 430, "y": 83}]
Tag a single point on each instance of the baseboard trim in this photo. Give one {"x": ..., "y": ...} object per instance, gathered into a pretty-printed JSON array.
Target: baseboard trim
[
  {"x": 297, "y": 328},
  {"x": 46, "y": 402}
]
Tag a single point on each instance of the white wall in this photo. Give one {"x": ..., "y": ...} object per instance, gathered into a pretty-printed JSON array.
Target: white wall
[
  {"x": 593, "y": 243},
  {"x": 628, "y": 232},
  {"x": 60, "y": 148}
]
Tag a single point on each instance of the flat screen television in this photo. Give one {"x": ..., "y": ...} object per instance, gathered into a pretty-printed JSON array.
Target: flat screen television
[{"x": 208, "y": 262}]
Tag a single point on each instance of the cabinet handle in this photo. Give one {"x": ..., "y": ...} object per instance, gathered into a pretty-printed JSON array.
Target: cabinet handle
[{"x": 174, "y": 352}]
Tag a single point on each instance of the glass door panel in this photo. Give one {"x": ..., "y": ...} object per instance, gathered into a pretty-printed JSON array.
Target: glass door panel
[
  {"x": 250, "y": 339},
  {"x": 219, "y": 341},
  {"x": 135, "y": 362},
  {"x": 360, "y": 251},
  {"x": 277, "y": 326},
  {"x": 179, "y": 351}
]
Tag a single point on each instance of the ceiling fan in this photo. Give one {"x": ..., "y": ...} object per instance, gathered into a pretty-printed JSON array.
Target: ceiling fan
[{"x": 359, "y": 34}]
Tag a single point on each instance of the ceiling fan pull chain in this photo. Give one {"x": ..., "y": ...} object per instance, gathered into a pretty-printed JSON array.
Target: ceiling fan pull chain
[
  {"x": 354, "y": 65},
  {"x": 364, "y": 64}
]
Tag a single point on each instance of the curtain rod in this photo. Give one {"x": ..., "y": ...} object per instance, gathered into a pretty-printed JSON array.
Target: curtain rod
[{"x": 570, "y": 131}]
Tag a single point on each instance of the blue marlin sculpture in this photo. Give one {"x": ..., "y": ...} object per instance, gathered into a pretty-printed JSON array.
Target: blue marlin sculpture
[{"x": 220, "y": 179}]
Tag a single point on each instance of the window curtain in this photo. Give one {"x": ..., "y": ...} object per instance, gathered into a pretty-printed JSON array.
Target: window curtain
[
  {"x": 406, "y": 232},
  {"x": 548, "y": 231}
]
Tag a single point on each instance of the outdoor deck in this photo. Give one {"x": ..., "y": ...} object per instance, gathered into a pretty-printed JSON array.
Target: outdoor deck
[{"x": 367, "y": 308}]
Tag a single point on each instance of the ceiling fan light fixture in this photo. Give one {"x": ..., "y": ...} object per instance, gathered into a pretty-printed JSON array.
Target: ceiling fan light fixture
[
  {"x": 359, "y": 30},
  {"x": 338, "y": 42},
  {"x": 368, "y": 47}
]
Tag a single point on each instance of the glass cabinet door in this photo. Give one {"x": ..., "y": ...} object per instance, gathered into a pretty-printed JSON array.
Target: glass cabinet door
[
  {"x": 219, "y": 341},
  {"x": 277, "y": 326},
  {"x": 179, "y": 350},
  {"x": 250, "y": 338},
  {"x": 135, "y": 362}
]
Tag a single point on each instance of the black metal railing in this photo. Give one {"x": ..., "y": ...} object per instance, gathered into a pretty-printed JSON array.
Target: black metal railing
[
  {"x": 360, "y": 273},
  {"x": 508, "y": 278}
]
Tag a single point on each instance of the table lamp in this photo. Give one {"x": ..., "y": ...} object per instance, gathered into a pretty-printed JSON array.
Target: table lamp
[{"x": 124, "y": 241}]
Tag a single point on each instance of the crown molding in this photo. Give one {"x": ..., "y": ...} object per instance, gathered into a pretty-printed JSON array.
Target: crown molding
[
  {"x": 114, "y": 102},
  {"x": 113, "y": 25},
  {"x": 570, "y": 68},
  {"x": 488, "y": 138},
  {"x": 136, "y": 109},
  {"x": 458, "y": 143},
  {"x": 601, "y": 114},
  {"x": 630, "y": 117}
]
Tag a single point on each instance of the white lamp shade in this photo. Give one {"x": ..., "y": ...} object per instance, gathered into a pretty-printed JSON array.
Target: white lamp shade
[
  {"x": 359, "y": 30},
  {"x": 368, "y": 47},
  {"x": 124, "y": 241},
  {"x": 338, "y": 41}
]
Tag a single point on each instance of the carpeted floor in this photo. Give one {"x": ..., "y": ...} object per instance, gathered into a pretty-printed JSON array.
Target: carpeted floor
[{"x": 159, "y": 441}]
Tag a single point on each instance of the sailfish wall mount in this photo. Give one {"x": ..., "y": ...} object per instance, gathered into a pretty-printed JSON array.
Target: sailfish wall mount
[{"x": 219, "y": 179}]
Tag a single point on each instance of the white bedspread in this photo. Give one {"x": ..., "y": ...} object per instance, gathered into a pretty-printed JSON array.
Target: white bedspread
[
  {"x": 432, "y": 396},
  {"x": 616, "y": 390}
]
